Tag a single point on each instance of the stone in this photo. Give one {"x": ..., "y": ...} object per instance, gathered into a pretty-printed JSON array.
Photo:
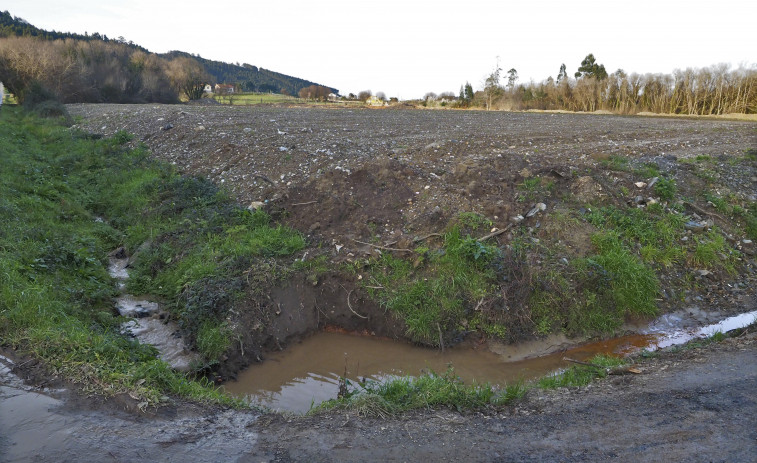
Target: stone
[
  {"x": 640, "y": 184},
  {"x": 694, "y": 226},
  {"x": 255, "y": 205},
  {"x": 536, "y": 209}
]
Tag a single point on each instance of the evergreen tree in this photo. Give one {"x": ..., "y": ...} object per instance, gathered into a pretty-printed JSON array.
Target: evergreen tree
[{"x": 590, "y": 68}]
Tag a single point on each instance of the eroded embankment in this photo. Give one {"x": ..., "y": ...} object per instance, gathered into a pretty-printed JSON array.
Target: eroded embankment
[{"x": 434, "y": 226}]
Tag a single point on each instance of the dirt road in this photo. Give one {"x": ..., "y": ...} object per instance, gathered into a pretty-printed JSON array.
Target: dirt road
[{"x": 690, "y": 405}]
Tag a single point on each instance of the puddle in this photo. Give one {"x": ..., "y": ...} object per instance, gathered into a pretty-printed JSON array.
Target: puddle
[
  {"x": 307, "y": 373},
  {"x": 148, "y": 323},
  {"x": 22, "y": 411}
]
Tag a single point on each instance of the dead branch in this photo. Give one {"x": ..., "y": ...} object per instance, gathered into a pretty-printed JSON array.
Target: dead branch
[
  {"x": 382, "y": 247},
  {"x": 304, "y": 204},
  {"x": 624, "y": 370},
  {"x": 423, "y": 238},
  {"x": 441, "y": 338},
  {"x": 496, "y": 233},
  {"x": 621, "y": 370},
  {"x": 699, "y": 209},
  {"x": 350, "y": 306},
  {"x": 263, "y": 177}
]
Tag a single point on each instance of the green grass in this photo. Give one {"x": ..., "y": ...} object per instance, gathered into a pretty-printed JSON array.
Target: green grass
[
  {"x": 665, "y": 188},
  {"x": 581, "y": 375},
  {"x": 713, "y": 252},
  {"x": 67, "y": 201},
  {"x": 257, "y": 98},
  {"x": 387, "y": 398},
  {"x": 617, "y": 163},
  {"x": 432, "y": 299},
  {"x": 657, "y": 233}
]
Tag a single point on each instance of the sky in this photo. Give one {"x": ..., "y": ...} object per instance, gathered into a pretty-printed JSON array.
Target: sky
[{"x": 406, "y": 48}]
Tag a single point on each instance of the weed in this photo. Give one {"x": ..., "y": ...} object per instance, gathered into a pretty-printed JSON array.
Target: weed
[
  {"x": 648, "y": 170},
  {"x": 581, "y": 375},
  {"x": 212, "y": 340},
  {"x": 665, "y": 189},
  {"x": 617, "y": 163},
  {"x": 473, "y": 221},
  {"x": 712, "y": 251},
  {"x": 396, "y": 395}
]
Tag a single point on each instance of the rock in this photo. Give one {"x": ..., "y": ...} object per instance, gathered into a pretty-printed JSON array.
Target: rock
[
  {"x": 640, "y": 184},
  {"x": 525, "y": 173},
  {"x": 696, "y": 227},
  {"x": 280, "y": 132},
  {"x": 653, "y": 182},
  {"x": 517, "y": 219},
  {"x": 247, "y": 130},
  {"x": 587, "y": 190},
  {"x": 283, "y": 148},
  {"x": 167, "y": 127},
  {"x": 536, "y": 209},
  {"x": 199, "y": 128},
  {"x": 255, "y": 205},
  {"x": 434, "y": 146},
  {"x": 746, "y": 241}
]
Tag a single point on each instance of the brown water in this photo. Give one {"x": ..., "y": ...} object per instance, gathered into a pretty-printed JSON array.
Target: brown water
[{"x": 308, "y": 373}]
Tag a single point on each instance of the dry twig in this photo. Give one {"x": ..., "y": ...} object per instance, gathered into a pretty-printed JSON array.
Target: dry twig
[
  {"x": 350, "y": 306},
  {"x": 382, "y": 247}
]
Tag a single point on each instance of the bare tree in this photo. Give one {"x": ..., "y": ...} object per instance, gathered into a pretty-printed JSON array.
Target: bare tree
[
  {"x": 363, "y": 95},
  {"x": 187, "y": 76}
]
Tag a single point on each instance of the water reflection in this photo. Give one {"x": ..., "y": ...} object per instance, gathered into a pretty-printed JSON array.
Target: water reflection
[{"x": 308, "y": 373}]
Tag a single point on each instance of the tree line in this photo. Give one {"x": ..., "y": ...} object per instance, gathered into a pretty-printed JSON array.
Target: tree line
[
  {"x": 96, "y": 71},
  {"x": 712, "y": 90},
  {"x": 94, "y": 68}
]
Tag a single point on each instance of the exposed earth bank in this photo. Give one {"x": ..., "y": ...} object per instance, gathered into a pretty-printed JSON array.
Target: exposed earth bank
[{"x": 687, "y": 405}]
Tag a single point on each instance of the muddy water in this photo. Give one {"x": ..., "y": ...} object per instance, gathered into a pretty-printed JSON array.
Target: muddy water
[
  {"x": 308, "y": 373},
  {"x": 148, "y": 324}
]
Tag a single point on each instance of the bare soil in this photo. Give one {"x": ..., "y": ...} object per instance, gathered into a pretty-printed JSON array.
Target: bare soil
[{"x": 355, "y": 180}]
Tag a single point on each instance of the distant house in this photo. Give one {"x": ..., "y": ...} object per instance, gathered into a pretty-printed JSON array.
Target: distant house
[
  {"x": 224, "y": 89},
  {"x": 373, "y": 100},
  {"x": 208, "y": 88},
  {"x": 333, "y": 96}
]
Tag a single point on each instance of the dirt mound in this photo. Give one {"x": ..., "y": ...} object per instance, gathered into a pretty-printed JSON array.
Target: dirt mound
[{"x": 360, "y": 182}]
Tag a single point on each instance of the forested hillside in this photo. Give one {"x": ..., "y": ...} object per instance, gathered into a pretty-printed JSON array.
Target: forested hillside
[
  {"x": 96, "y": 68},
  {"x": 250, "y": 78}
]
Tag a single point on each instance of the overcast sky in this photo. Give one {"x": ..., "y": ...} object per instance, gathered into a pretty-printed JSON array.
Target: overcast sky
[{"x": 406, "y": 48}]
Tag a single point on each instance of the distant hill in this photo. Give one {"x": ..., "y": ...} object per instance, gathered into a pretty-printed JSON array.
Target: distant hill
[
  {"x": 247, "y": 77},
  {"x": 11, "y": 26},
  {"x": 250, "y": 78}
]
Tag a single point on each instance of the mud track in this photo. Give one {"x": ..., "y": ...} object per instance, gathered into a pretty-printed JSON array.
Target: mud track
[{"x": 689, "y": 405}]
